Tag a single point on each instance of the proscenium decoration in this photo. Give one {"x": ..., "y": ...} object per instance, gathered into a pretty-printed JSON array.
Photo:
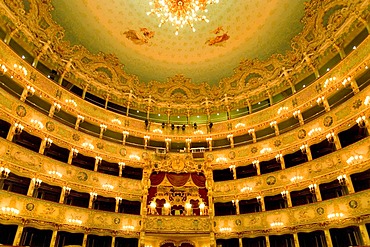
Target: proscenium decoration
[{"x": 180, "y": 12}]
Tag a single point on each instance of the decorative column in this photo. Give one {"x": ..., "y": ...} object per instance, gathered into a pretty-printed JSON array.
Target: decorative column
[
  {"x": 271, "y": 100},
  {"x": 256, "y": 165},
  {"x": 10, "y": 35},
  {"x": 267, "y": 241},
  {"x": 103, "y": 128},
  {"x": 124, "y": 136},
  {"x": 67, "y": 68},
  {"x": 79, "y": 120},
  {"x": 188, "y": 144},
  {"x": 305, "y": 149},
  {"x": 130, "y": 96},
  {"x": 307, "y": 59},
  {"x": 233, "y": 170},
  {"x": 226, "y": 102},
  {"x": 288, "y": 78},
  {"x": 296, "y": 240},
  {"x": 364, "y": 234},
  {"x": 54, "y": 108},
  {"x": 113, "y": 241},
  {"x": 65, "y": 192},
  {"x": 98, "y": 160},
  {"x": 280, "y": 159},
  {"x": 93, "y": 196},
  {"x": 253, "y": 134},
  {"x": 298, "y": 115},
  {"x": 121, "y": 166},
  {"x": 85, "y": 87},
  {"x": 43, "y": 50},
  {"x": 53, "y": 238},
  {"x": 329, "y": 243},
  {"x": 209, "y": 142},
  {"x": 168, "y": 144},
  {"x": 322, "y": 101},
  {"x": 230, "y": 138},
  {"x": 346, "y": 182},
  {"x": 34, "y": 185},
  {"x": 18, "y": 235},
  {"x": 28, "y": 91},
  {"x": 118, "y": 202},
  {"x": 261, "y": 202},
  {"x": 240, "y": 242},
  {"x": 146, "y": 141},
  {"x": 72, "y": 154},
  {"x": 249, "y": 106},
  {"x": 16, "y": 129},
  {"x": 45, "y": 143},
  {"x": 340, "y": 50},
  {"x": 106, "y": 101},
  {"x": 275, "y": 127},
  {"x": 84, "y": 240},
  {"x": 236, "y": 204},
  {"x": 314, "y": 189},
  {"x": 286, "y": 196},
  {"x": 206, "y": 105}
]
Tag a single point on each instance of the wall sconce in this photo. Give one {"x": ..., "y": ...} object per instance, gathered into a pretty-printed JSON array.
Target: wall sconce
[
  {"x": 346, "y": 80},
  {"x": 225, "y": 229},
  {"x": 10, "y": 211},
  {"x": 278, "y": 158},
  {"x": 256, "y": 164},
  {"x": 57, "y": 107},
  {"x": 304, "y": 148},
  {"x": 342, "y": 179},
  {"x": 146, "y": 137},
  {"x": 158, "y": 131},
  {"x": 67, "y": 190},
  {"x": 335, "y": 215},
  {"x": 30, "y": 91},
  {"x": 265, "y": 150},
  {"x": 103, "y": 127},
  {"x": 71, "y": 102},
  {"x": 98, "y": 159},
  {"x": 134, "y": 157},
  {"x": 125, "y": 133},
  {"x": 320, "y": 100},
  {"x": 246, "y": 189},
  {"x": 118, "y": 200},
  {"x": 48, "y": 142},
  {"x": 108, "y": 187},
  {"x": 188, "y": 140},
  {"x": 75, "y": 221},
  {"x": 153, "y": 204},
  {"x": 314, "y": 131},
  {"x": 202, "y": 207},
  {"x": 116, "y": 121},
  {"x": 74, "y": 152},
  {"x": 80, "y": 118},
  {"x": 234, "y": 202},
  {"x": 221, "y": 159},
  {"x": 229, "y": 136},
  {"x": 282, "y": 109},
  {"x": 312, "y": 188},
  {"x": 37, "y": 124},
  {"x": 330, "y": 137},
  {"x": 277, "y": 224},
  {"x": 128, "y": 228},
  {"x": 232, "y": 168},
  {"x": 3, "y": 69},
  {"x": 361, "y": 121},
  {"x": 93, "y": 196},
  {"x": 295, "y": 179},
  {"x": 273, "y": 124},
  {"x": 21, "y": 68},
  {"x": 18, "y": 128},
  {"x": 122, "y": 165},
  {"x": 55, "y": 174},
  {"x": 198, "y": 132},
  {"x": 88, "y": 145},
  {"x": 354, "y": 159},
  {"x": 251, "y": 131},
  {"x": 37, "y": 182},
  {"x": 329, "y": 81},
  {"x": 209, "y": 139},
  {"x": 284, "y": 194},
  {"x": 296, "y": 113},
  {"x": 239, "y": 125},
  {"x": 4, "y": 172},
  {"x": 367, "y": 100}
]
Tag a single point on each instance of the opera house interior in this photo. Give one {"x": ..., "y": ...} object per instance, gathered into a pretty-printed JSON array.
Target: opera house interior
[{"x": 185, "y": 123}]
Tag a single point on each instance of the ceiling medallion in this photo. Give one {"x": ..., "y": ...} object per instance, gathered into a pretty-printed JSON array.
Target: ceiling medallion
[{"x": 180, "y": 12}]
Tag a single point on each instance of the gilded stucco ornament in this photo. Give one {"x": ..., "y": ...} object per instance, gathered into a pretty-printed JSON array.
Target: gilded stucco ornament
[
  {"x": 325, "y": 23},
  {"x": 178, "y": 163}
]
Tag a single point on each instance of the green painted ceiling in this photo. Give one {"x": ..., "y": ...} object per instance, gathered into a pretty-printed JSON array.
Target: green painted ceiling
[{"x": 257, "y": 29}]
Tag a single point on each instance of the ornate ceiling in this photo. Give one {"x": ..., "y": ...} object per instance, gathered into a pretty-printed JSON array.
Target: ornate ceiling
[{"x": 246, "y": 30}]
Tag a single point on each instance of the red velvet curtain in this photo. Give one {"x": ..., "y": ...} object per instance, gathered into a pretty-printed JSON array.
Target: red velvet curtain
[
  {"x": 178, "y": 180},
  {"x": 198, "y": 179},
  {"x": 157, "y": 178}
]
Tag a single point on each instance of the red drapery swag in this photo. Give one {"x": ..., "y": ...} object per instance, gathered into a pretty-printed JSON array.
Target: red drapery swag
[{"x": 178, "y": 180}]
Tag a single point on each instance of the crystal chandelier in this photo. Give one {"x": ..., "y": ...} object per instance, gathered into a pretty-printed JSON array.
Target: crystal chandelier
[{"x": 180, "y": 12}]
